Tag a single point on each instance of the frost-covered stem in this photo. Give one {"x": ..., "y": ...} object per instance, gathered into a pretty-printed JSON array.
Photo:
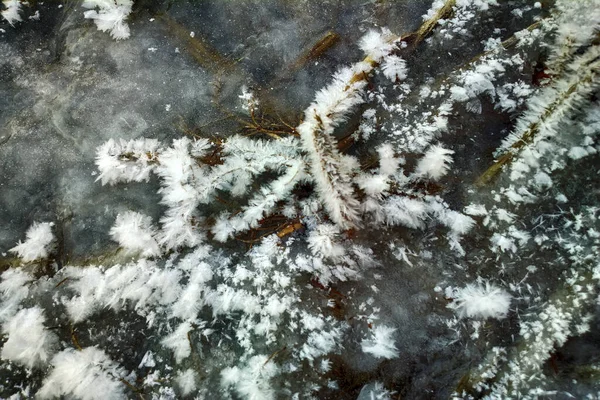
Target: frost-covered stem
[
  {"x": 178, "y": 171},
  {"x": 334, "y": 187},
  {"x": 552, "y": 105},
  {"x": 127, "y": 161},
  {"x": 505, "y": 45},
  {"x": 442, "y": 13},
  {"x": 559, "y": 62},
  {"x": 332, "y": 171},
  {"x": 577, "y": 25},
  {"x": 244, "y": 156},
  {"x": 328, "y": 166},
  {"x": 218, "y": 177},
  {"x": 262, "y": 205}
]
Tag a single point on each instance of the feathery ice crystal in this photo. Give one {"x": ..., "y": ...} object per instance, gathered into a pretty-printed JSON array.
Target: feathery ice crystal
[
  {"x": 11, "y": 11},
  {"x": 480, "y": 301},
  {"x": 110, "y": 16},
  {"x": 38, "y": 243}
]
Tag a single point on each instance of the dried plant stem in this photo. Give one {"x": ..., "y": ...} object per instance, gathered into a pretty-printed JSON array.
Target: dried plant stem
[
  {"x": 323, "y": 44},
  {"x": 74, "y": 338},
  {"x": 427, "y": 27},
  {"x": 202, "y": 52}
]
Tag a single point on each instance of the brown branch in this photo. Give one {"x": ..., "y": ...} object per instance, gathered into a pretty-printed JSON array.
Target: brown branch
[
  {"x": 262, "y": 125},
  {"x": 257, "y": 239},
  {"x": 130, "y": 386},
  {"x": 197, "y": 47},
  {"x": 314, "y": 52},
  {"x": 275, "y": 354},
  {"x": 61, "y": 282},
  {"x": 74, "y": 338},
  {"x": 290, "y": 228},
  {"x": 427, "y": 27}
]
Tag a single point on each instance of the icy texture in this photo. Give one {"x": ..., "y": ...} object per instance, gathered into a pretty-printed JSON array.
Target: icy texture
[
  {"x": 381, "y": 344},
  {"x": 135, "y": 233},
  {"x": 365, "y": 250}
]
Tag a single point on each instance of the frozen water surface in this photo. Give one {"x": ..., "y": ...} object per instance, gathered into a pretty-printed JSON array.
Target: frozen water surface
[
  {"x": 426, "y": 226},
  {"x": 67, "y": 88}
]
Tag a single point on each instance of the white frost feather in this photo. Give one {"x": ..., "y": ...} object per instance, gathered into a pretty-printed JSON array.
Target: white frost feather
[
  {"x": 110, "y": 15},
  {"x": 134, "y": 232},
  {"x": 186, "y": 380},
  {"x": 381, "y": 343},
  {"x": 29, "y": 342},
  {"x": 481, "y": 301},
  {"x": 377, "y": 44},
  {"x": 11, "y": 11},
  {"x": 88, "y": 374},
  {"x": 322, "y": 241},
  {"x": 126, "y": 161},
  {"x": 435, "y": 163},
  {"x": 179, "y": 342},
  {"x": 252, "y": 380},
  {"x": 38, "y": 243},
  {"x": 404, "y": 211},
  {"x": 394, "y": 68}
]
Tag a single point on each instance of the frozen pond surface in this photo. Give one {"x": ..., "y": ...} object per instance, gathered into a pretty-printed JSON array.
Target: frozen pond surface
[
  {"x": 375, "y": 313},
  {"x": 67, "y": 88}
]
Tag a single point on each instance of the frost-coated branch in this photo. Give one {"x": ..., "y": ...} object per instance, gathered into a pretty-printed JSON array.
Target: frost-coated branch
[
  {"x": 262, "y": 204},
  {"x": 332, "y": 172},
  {"x": 314, "y": 158},
  {"x": 557, "y": 101},
  {"x": 126, "y": 161},
  {"x": 550, "y": 107},
  {"x": 178, "y": 172},
  {"x": 243, "y": 159}
]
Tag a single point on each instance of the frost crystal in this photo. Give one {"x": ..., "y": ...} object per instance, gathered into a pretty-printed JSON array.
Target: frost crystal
[
  {"x": 38, "y": 243},
  {"x": 187, "y": 381},
  {"x": 435, "y": 163},
  {"x": 110, "y": 16},
  {"x": 178, "y": 341},
  {"x": 377, "y": 44},
  {"x": 11, "y": 11},
  {"x": 29, "y": 342},
  {"x": 251, "y": 381},
  {"x": 381, "y": 343},
  {"x": 322, "y": 241},
  {"x": 87, "y": 374},
  {"x": 135, "y": 233},
  {"x": 394, "y": 68},
  {"x": 481, "y": 301}
]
